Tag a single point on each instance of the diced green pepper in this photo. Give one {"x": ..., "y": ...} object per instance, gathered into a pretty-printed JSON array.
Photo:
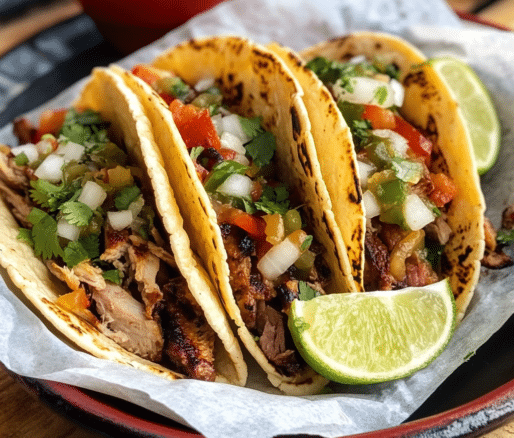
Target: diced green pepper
[
  {"x": 380, "y": 151},
  {"x": 292, "y": 221}
]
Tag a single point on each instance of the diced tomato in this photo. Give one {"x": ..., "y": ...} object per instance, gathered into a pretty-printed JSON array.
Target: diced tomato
[
  {"x": 201, "y": 171},
  {"x": 146, "y": 72},
  {"x": 78, "y": 303},
  {"x": 444, "y": 189},
  {"x": 50, "y": 122},
  {"x": 195, "y": 125},
  {"x": 419, "y": 144},
  {"x": 380, "y": 118},
  {"x": 255, "y": 226},
  {"x": 227, "y": 154},
  {"x": 262, "y": 247},
  {"x": 167, "y": 98}
]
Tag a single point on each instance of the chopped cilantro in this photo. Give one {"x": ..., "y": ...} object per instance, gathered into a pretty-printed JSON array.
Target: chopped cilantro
[
  {"x": 361, "y": 131},
  {"x": 505, "y": 237},
  {"x": 51, "y": 196},
  {"x": 25, "y": 235},
  {"x": 74, "y": 253},
  {"x": 126, "y": 196},
  {"x": 251, "y": 127},
  {"x": 306, "y": 292},
  {"x": 381, "y": 94},
  {"x": 76, "y": 213},
  {"x": 21, "y": 159},
  {"x": 112, "y": 275},
  {"x": 220, "y": 172},
  {"x": 91, "y": 243},
  {"x": 306, "y": 243},
  {"x": 273, "y": 200},
  {"x": 84, "y": 127},
  {"x": 195, "y": 152},
  {"x": 44, "y": 234},
  {"x": 262, "y": 148}
]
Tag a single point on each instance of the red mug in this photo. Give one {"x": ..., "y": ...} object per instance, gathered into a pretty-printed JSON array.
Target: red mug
[{"x": 131, "y": 24}]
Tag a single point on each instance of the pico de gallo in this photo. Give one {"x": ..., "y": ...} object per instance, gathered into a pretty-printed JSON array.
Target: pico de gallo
[
  {"x": 82, "y": 207},
  {"x": 404, "y": 199},
  {"x": 272, "y": 255}
]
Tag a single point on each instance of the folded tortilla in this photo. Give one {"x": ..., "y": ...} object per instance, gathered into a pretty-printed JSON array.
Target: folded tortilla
[
  {"x": 107, "y": 94},
  {"x": 256, "y": 83},
  {"x": 428, "y": 105}
]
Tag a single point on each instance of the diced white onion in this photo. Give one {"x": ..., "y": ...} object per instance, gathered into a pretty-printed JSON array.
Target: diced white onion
[
  {"x": 67, "y": 230},
  {"x": 44, "y": 147},
  {"x": 218, "y": 124},
  {"x": 365, "y": 171},
  {"x": 230, "y": 141},
  {"x": 370, "y": 204},
  {"x": 416, "y": 213},
  {"x": 241, "y": 159},
  {"x": 399, "y": 92},
  {"x": 359, "y": 59},
  {"x": 204, "y": 84},
  {"x": 119, "y": 219},
  {"x": 29, "y": 149},
  {"x": 365, "y": 91},
  {"x": 236, "y": 185},
  {"x": 278, "y": 259},
  {"x": 136, "y": 206},
  {"x": 398, "y": 142},
  {"x": 232, "y": 124},
  {"x": 50, "y": 169},
  {"x": 93, "y": 195},
  {"x": 71, "y": 151}
]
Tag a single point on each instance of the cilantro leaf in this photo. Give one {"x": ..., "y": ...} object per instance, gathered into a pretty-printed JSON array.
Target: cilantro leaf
[
  {"x": 112, "y": 275},
  {"x": 126, "y": 196},
  {"x": 220, "y": 172},
  {"x": 84, "y": 127},
  {"x": 76, "y": 213},
  {"x": 44, "y": 234},
  {"x": 74, "y": 253},
  {"x": 361, "y": 131},
  {"x": 505, "y": 237},
  {"x": 25, "y": 235},
  {"x": 21, "y": 159},
  {"x": 273, "y": 200},
  {"x": 306, "y": 243},
  {"x": 251, "y": 127},
  {"x": 380, "y": 94},
  {"x": 306, "y": 292},
  {"x": 262, "y": 148},
  {"x": 91, "y": 243},
  {"x": 51, "y": 196}
]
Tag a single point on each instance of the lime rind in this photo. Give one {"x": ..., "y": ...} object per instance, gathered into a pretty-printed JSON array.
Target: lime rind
[
  {"x": 477, "y": 106},
  {"x": 374, "y": 337}
]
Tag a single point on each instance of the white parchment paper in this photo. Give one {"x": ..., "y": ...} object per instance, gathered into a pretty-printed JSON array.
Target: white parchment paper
[{"x": 29, "y": 348}]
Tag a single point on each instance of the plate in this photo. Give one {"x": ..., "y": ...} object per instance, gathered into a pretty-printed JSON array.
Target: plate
[{"x": 477, "y": 397}]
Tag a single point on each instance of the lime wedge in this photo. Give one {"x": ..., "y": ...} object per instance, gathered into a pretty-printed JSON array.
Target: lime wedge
[
  {"x": 372, "y": 337},
  {"x": 477, "y": 108}
]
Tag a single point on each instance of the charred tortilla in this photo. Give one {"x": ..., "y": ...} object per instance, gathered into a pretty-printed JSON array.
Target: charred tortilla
[
  {"x": 106, "y": 94},
  {"x": 254, "y": 83},
  {"x": 427, "y": 105}
]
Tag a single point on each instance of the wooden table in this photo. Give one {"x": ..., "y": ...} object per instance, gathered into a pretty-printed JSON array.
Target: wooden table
[{"x": 22, "y": 415}]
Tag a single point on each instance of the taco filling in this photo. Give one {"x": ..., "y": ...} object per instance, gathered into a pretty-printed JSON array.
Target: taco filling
[
  {"x": 272, "y": 255},
  {"x": 83, "y": 209},
  {"x": 405, "y": 199}
]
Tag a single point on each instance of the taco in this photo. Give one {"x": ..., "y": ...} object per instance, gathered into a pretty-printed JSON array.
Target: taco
[
  {"x": 423, "y": 205},
  {"x": 93, "y": 237},
  {"x": 239, "y": 153}
]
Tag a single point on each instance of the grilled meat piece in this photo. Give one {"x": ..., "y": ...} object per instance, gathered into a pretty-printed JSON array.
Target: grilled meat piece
[
  {"x": 16, "y": 177},
  {"x": 123, "y": 320},
  {"x": 496, "y": 259},
  {"x": 116, "y": 244},
  {"x": 419, "y": 272},
  {"x": 287, "y": 292},
  {"x": 24, "y": 130},
  {"x": 439, "y": 231},
  {"x": 189, "y": 340},
  {"x": 273, "y": 343},
  {"x": 20, "y": 205},
  {"x": 508, "y": 218},
  {"x": 146, "y": 267},
  {"x": 377, "y": 266}
]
